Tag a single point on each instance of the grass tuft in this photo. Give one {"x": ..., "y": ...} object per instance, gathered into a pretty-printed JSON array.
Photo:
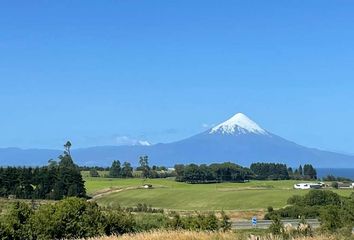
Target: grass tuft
[{"x": 189, "y": 235}]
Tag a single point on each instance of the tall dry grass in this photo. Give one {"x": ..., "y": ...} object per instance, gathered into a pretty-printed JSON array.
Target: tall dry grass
[{"x": 188, "y": 235}]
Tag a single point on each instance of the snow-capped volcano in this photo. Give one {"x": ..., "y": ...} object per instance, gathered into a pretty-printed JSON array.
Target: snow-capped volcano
[
  {"x": 239, "y": 139},
  {"x": 238, "y": 124}
]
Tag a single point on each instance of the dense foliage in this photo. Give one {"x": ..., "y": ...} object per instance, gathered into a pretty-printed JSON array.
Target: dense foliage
[
  {"x": 55, "y": 181},
  {"x": 309, "y": 205},
  {"x": 230, "y": 172},
  {"x": 335, "y": 212},
  {"x": 331, "y": 178},
  {"x": 118, "y": 171},
  {"x": 278, "y": 171},
  {"x": 217, "y": 172},
  {"x": 94, "y": 173},
  {"x": 273, "y": 171},
  {"x": 73, "y": 218},
  {"x": 309, "y": 172},
  {"x": 89, "y": 168},
  {"x": 145, "y": 171}
]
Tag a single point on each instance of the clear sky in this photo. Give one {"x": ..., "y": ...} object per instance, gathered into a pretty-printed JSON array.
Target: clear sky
[{"x": 111, "y": 72}]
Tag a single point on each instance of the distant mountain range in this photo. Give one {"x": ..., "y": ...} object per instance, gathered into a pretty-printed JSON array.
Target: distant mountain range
[{"x": 239, "y": 140}]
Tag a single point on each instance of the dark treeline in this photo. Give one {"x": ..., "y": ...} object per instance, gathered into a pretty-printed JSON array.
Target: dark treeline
[
  {"x": 230, "y": 172},
  {"x": 97, "y": 168},
  {"x": 125, "y": 170},
  {"x": 55, "y": 181},
  {"x": 271, "y": 171},
  {"x": 217, "y": 172},
  {"x": 331, "y": 178},
  {"x": 278, "y": 171},
  {"x": 306, "y": 172}
]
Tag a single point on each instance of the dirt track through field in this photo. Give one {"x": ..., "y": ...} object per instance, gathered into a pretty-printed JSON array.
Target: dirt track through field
[{"x": 109, "y": 191}]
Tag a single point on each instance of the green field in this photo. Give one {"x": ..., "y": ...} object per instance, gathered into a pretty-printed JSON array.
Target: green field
[{"x": 168, "y": 194}]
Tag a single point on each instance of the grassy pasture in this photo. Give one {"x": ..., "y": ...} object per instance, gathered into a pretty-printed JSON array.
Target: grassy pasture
[{"x": 168, "y": 194}]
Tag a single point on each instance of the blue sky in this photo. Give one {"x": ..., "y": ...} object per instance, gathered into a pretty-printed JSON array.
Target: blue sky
[{"x": 110, "y": 72}]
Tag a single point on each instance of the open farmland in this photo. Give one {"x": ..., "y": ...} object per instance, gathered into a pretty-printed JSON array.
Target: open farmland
[{"x": 168, "y": 194}]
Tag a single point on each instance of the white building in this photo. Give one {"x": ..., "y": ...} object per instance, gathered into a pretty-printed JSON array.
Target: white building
[
  {"x": 308, "y": 185},
  {"x": 345, "y": 185}
]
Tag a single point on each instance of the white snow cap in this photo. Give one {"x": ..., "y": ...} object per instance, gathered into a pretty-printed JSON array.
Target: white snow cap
[
  {"x": 143, "y": 143},
  {"x": 238, "y": 124}
]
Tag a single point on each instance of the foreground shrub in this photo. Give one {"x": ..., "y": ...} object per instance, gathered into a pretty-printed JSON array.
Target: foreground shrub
[
  {"x": 336, "y": 213},
  {"x": 73, "y": 218},
  {"x": 117, "y": 223},
  {"x": 316, "y": 198},
  {"x": 69, "y": 218},
  {"x": 148, "y": 222},
  {"x": 321, "y": 198},
  {"x": 330, "y": 219},
  {"x": 15, "y": 223},
  {"x": 200, "y": 222},
  {"x": 225, "y": 223},
  {"x": 295, "y": 212},
  {"x": 277, "y": 227}
]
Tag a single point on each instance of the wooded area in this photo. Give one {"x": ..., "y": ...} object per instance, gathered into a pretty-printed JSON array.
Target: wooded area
[{"x": 55, "y": 181}]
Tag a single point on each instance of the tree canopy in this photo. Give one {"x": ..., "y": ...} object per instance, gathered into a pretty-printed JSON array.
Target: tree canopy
[{"x": 55, "y": 181}]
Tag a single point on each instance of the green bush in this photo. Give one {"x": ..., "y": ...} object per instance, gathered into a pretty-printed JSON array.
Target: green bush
[
  {"x": 147, "y": 222},
  {"x": 75, "y": 218},
  {"x": 331, "y": 219},
  {"x": 277, "y": 227},
  {"x": 321, "y": 198},
  {"x": 15, "y": 224},
  {"x": 3, "y": 231},
  {"x": 210, "y": 222},
  {"x": 176, "y": 223},
  {"x": 270, "y": 209},
  {"x": 335, "y": 185},
  {"x": 336, "y": 213},
  {"x": 296, "y": 200},
  {"x": 69, "y": 218},
  {"x": 200, "y": 222},
  {"x": 225, "y": 223},
  {"x": 295, "y": 212},
  {"x": 118, "y": 222},
  {"x": 316, "y": 198},
  {"x": 94, "y": 173}
]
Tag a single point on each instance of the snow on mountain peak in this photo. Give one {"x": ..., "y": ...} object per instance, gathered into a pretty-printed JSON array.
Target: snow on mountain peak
[
  {"x": 143, "y": 143},
  {"x": 238, "y": 124}
]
